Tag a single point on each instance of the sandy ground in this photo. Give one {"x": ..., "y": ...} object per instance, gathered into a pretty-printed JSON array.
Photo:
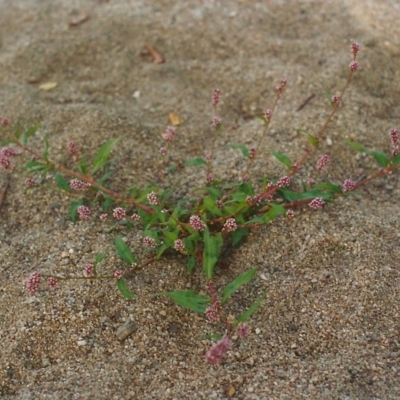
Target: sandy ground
[{"x": 329, "y": 327}]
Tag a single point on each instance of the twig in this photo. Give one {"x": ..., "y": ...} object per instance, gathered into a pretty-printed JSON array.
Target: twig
[{"x": 306, "y": 101}]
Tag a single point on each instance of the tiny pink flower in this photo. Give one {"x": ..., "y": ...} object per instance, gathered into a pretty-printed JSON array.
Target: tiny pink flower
[
  {"x": 218, "y": 350},
  {"x": 135, "y": 217},
  {"x": 219, "y": 203},
  {"x": 163, "y": 151},
  {"x": 268, "y": 114},
  {"x": 311, "y": 181},
  {"x": 103, "y": 217},
  {"x": 84, "y": 212},
  {"x": 316, "y": 203},
  {"x": 149, "y": 242},
  {"x": 169, "y": 134},
  {"x": 215, "y": 122},
  {"x": 353, "y": 66},
  {"x": 355, "y": 47},
  {"x": 152, "y": 198},
  {"x": 76, "y": 184},
  {"x": 196, "y": 223},
  {"x": 348, "y": 185},
  {"x": 230, "y": 225},
  {"x": 281, "y": 86},
  {"x": 209, "y": 178},
  {"x": 33, "y": 282},
  {"x": 118, "y": 274},
  {"x": 322, "y": 162},
  {"x": 284, "y": 182},
  {"x": 252, "y": 153},
  {"x": 88, "y": 270},
  {"x": 208, "y": 157},
  {"x": 242, "y": 330},
  {"x": 30, "y": 182},
  {"x": 179, "y": 245},
  {"x": 216, "y": 97},
  {"x": 119, "y": 213},
  {"x": 52, "y": 282},
  {"x": 290, "y": 214},
  {"x": 99, "y": 194},
  {"x": 4, "y": 121}
]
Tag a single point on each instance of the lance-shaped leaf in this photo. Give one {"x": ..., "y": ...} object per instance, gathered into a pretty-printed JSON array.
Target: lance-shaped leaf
[
  {"x": 124, "y": 251},
  {"x": 243, "y": 149},
  {"x": 124, "y": 289},
  {"x": 244, "y": 316},
  {"x": 103, "y": 154},
  {"x": 188, "y": 299},
  {"x": 212, "y": 248},
  {"x": 62, "y": 183},
  {"x": 284, "y": 159},
  {"x": 195, "y": 162},
  {"x": 241, "y": 280}
]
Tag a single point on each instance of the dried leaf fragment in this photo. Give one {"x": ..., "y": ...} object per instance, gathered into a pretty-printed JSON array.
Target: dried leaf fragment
[
  {"x": 174, "y": 119},
  {"x": 157, "y": 57},
  {"x": 48, "y": 86},
  {"x": 230, "y": 391},
  {"x": 79, "y": 20}
]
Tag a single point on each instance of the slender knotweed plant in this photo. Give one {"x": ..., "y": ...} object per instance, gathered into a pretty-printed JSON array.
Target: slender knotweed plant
[{"x": 222, "y": 214}]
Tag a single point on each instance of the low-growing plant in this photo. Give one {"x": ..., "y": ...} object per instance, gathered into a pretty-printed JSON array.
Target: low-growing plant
[{"x": 219, "y": 213}]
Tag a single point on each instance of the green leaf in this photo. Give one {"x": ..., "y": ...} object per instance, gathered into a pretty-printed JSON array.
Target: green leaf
[
  {"x": 313, "y": 140},
  {"x": 124, "y": 289},
  {"x": 188, "y": 299},
  {"x": 274, "y": 212},
  {"x": 355, "y": 146},
  {"x": 241, "y": 280},
  {"x": 62, "y": 182},
  {"x": 244, "y": 316},
  {"x": 195, "y": 162},
  {"x": 29, "y": 132},
  {"x": 103, "y": 154},
  {"x": 124, "y": 251},
  {"x": 381, "y": 158},
  {"x": 396, "y": 160},
  {"x": 99, "y": 258},
  {"x": 73, "y": 209},
  {"x": 191, "y": 264},
  {"x": 211, "y": 205},
  {"x": 212, "y": 248},
  {"x": 284, "y": 159},
  {"x": 36, "y": 166},
  {"x": 243, "y": 149},
  {"x": 238, "y": 235},
  {"x": 82, "y": 166}
]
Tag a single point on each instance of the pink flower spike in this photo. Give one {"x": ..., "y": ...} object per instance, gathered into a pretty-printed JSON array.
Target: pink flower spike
[
  {"x": 215, "y": 122},
  {"x": 322, "y": 162},
  {"x": 149, "y": 242},
  {"x": 118, "y": 274},
  {"x": 52, "y": 282},
  {"x": 4, "y": 121},
  {"x": 88, "y": 270},
  {"x": 268, "y": 114},
  {"x": 353, "y": 66},
  {"x": 355, "y": 48},
  {"x": 196, "y": 223},
  {"x": 33, "y": 282},
  {"x": 335, "y": 100},
  {"x": 316, "y": 203},
  {"x": 242, "y": 330},
  {"x": 72, "y": 148},
  {"x": 284, "y": 182},
  {"x": 152, "y": 199},
  {"x": 76, "y": 184},
  {"x": 179, "y": 245},
  {"x": 230, "y": 225},
  {"x": 218, "y": 350},
  {"x": 30, "y": 182},
  {"x": 103, "y": 217},
  {"x": 119, "y": 213},
  {"x": 84, "y": 212},
  {"x": 394, "y": 137},
  {"x": 169, "y": 134},
  {"x": 216, "y": 97},
  {"x": 348, "y": 185},
  {"x": 290, "y": 214}
]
